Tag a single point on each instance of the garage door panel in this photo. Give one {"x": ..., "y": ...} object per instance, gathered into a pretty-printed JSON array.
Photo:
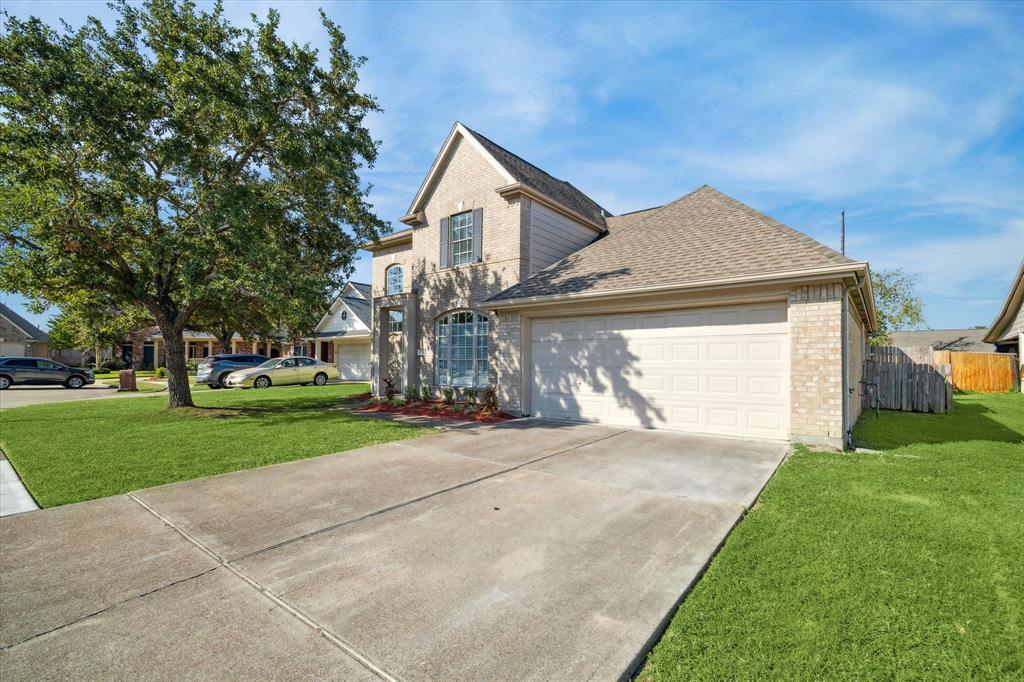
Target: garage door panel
[{"x": 720, "y": 371}]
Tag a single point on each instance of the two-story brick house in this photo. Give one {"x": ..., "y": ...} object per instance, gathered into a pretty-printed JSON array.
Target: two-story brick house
[{"x": 701, "y": 315}]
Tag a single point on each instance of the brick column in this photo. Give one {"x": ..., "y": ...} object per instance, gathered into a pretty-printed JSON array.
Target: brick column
[
  {"x": 816, "y": 364},
  {"x": 507, "y": 356}
]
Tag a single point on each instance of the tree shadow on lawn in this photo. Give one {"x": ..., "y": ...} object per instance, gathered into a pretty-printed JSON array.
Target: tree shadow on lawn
[{"x": 972, "y": 420}]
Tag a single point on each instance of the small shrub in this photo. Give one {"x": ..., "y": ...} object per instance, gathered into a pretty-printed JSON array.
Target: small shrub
[
  {"x": 412, "y": 394},
  {"x": 425, "y": 393},
  {"x": 160, "y": 373},
  {"x": 436, "y": 407},
  {"x": 395, "y": 402},
  {"x": 489, "y": 401},
  {"x": 470, "y": 395},
  {"x": 448, "y": 395},
  {"x": 389, "y": 388},
  {"x": 192, "y": 366},
  {"x": 457, "y": 409}
]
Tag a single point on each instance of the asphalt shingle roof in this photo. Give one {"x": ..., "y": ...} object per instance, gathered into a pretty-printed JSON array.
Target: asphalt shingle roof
[
  {"x": 527, "y": 174},
  {"x": 702, "y": 236},
  {"x": 970, "y": 340}
]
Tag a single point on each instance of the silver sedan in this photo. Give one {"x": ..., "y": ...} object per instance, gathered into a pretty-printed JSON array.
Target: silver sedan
[{"x": 282, "y": 371}]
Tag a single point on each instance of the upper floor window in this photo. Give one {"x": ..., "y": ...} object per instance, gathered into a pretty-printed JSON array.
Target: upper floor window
[
  {"x": 461, "y": 227},
  {"x": 395, "y": 280}
]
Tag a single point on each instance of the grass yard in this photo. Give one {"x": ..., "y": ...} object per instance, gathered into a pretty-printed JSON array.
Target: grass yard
[
  {"x": 904, "y": 565},
  {"x": 69, "y": 452}
]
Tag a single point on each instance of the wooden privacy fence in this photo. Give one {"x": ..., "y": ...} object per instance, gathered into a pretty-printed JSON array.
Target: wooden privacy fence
[
  {"x": 894, "y": 381},
  {"x": 985, "y": 372}
]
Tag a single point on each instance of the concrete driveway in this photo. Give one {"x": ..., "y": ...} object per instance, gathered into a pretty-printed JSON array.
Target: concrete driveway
[{"x": 527, "y": 550}]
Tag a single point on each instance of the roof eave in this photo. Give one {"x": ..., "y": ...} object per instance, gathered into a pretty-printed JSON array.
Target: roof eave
[
  {"x": 856, "y": 274},
  {"x": 389, "y": 240},
  {"x": 1008, "y": 312},
  {"x": 517, "y": 188}
]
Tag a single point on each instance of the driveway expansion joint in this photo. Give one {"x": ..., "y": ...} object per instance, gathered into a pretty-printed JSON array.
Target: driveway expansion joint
[{"x": 293, "y": 611}]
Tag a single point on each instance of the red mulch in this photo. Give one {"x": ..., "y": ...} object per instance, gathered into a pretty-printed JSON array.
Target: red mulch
[{"x": 422, "y": 409}]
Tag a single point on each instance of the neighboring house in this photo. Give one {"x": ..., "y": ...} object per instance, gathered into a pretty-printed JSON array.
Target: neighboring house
[
  {"x": 145, "y": 348},
  {"x": 702, "y": 315},
  {"x": 342, "y": 337},
  {"x": 1007, "y": 331},
  {"x": 965, "y": 340},
  {"x": 18, "y": 336}
]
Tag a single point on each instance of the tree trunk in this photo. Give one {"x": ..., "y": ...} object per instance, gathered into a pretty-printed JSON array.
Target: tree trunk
[
  {"x": 225, "y": 341},
  {"x": 179, "y": 393}
]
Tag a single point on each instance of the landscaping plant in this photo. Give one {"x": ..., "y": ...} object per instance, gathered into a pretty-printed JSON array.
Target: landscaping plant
[
  {"x": 470, "y": 395},
  {"x": 412, "y": 394},
  {"x": 489, "y": 401},
  {"x": 448, "y": 395},
  {"x": 425, "y": 393},
  {"x": 389, "y": 388}
]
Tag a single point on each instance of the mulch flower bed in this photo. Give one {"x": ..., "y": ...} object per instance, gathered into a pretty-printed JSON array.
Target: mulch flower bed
[{"x": 445, "y": 411}]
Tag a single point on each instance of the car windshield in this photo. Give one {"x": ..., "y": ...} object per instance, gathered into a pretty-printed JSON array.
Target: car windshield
[{"x": 270, "y": 363}]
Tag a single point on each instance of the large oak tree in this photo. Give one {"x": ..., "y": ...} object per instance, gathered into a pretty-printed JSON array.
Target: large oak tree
[{"x": 173, "y": 162}]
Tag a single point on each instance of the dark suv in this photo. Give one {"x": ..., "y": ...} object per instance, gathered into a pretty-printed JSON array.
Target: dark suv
[
  {"x": 42, "y": 371},
  {"x": 215, "y": 369}
]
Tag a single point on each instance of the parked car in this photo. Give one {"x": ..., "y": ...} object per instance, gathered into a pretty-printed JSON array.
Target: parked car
[
  {"x": 25, "y": 370},
  {"x": 216, "y": 368},
  {"x": 281, "y": 371}
]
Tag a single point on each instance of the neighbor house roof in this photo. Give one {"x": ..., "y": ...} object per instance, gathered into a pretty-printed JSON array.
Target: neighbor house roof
[
  {"x": 533, "y": 177},
  {"x": 1011, "y": 309},
  {"x": 969, "y": 340},
  {"x": 32, "y": 332},
  {"x": 703, "y": 236},
  {"x": 360, "y": 307}
]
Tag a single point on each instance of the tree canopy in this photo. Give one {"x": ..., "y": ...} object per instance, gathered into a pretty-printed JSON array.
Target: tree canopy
[
  {"x": 897, "y": 305},
  {"x": 177, "y": 163}
]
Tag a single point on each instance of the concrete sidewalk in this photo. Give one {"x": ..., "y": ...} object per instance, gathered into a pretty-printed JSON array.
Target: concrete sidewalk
[
  {"x": 524, "y": 550},
  {"x": 14, "y": 498}
]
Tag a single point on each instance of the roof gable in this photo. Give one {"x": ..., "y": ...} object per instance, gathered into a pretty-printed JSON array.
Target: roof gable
[
  {"x": 514, "y": 170},
  {"x": 709, "y": 235},
  {"x": 354, "y": 297},
  {"x": 31, "y": 332}
]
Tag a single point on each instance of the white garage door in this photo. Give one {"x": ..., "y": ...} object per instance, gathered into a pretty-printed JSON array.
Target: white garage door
[
  {"x": 721, "y": 370},
  {"x": 354, "y": 361},
  {"x": 8, "y": 348}
]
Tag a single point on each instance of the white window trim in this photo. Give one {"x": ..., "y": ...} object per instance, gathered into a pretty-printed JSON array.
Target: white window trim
[
  {"x": 397, "y": 267},
  {"x": 451, "y": 240},
  {"x": 481, "y": 376}
]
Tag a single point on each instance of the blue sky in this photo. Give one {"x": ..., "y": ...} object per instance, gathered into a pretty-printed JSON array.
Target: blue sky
[{"x": 910, "y": 116}]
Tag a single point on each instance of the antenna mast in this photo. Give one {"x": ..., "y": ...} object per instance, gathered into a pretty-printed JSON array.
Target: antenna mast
[{"x": 842, "y": 232}]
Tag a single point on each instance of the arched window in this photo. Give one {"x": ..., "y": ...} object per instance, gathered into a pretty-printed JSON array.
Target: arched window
[
  {"x": 395, "y": 280},
  {"x": 461, "y": 346}
]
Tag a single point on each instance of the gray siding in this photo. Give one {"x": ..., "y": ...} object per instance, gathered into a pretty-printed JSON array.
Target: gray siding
[{"x": 553, "y": 237}]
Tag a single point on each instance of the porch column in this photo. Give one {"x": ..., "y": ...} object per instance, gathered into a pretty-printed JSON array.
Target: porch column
[
  {"x": 410, "y": 366},
  {"x": 255, "y": 348},
  {"x": 314, "y": 348},
  {"x": 209, "y": 348},
  {"x": 233, "y": 344},
  {"x": 379, "y": 351},
  {"x": 188, "y": 355}
]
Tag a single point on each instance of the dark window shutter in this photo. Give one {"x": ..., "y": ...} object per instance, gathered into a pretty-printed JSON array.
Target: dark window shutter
[
  {"x": 478, "y": 234},
  {"x": 444, "y": 242}
]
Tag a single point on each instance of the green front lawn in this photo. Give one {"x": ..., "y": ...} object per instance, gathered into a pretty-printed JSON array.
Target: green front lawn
[
  {"x": 69, "y": 452},
  {"x": 904, "y": 565}
]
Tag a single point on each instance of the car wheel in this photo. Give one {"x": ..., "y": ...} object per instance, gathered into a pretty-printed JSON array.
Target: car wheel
[
  {"x": 320, "y": 379},
  {"x": 261, "y": 382},
  {"x": 214, "y": 386},
  {"x": 222, "y": 382},
  {"x": 74, "y": 382},
  {"x": 5, "y": 383}
]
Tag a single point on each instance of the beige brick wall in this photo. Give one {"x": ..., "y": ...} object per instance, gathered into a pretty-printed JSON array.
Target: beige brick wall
[
  {"x": 467, "y": 181},
  {"x": 507, "y": 360},
  {"x": 816, "y": 364}
]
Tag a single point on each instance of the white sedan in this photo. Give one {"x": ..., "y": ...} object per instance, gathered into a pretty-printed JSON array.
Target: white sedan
[{"x": 282, "y": 371}]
